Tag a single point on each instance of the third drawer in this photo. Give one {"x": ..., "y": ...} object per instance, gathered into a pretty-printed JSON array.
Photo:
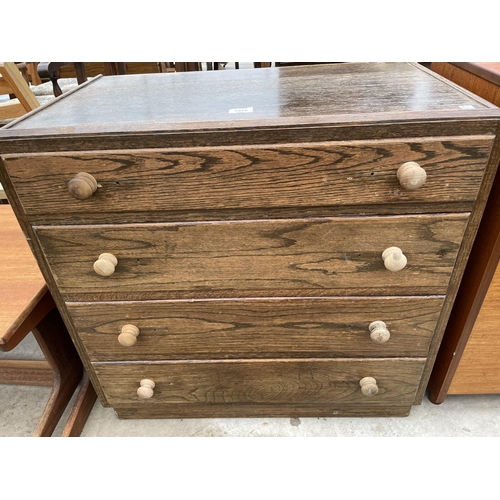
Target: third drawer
[{"x": 256, "y": 328}]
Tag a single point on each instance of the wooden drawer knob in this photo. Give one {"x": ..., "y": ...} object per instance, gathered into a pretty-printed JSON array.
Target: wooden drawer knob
[
  {"x": 128, "y": 335},
  {"x": 411, "y": 176},
  {"x": 394, "y": 259},
  {"x": 146, "y": 389},
  {"x": 82, "y": 186},
  {"x": 105, "y": 264},
  {"x": 379, "y": 332},
  {"x": 368, "y": 386}
]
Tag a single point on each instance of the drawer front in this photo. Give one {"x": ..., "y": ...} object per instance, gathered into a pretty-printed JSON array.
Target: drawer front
[
  {"x": 301, "y": 257},
  {"x": 265, "y": 328},
  {"x": 339, "y": 175},
  {"x": 264, "y": 381}
]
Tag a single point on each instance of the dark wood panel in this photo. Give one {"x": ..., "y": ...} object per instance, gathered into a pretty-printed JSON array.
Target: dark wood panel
[
  {"x": 320, "y": 381},
  {"x": 98, "y": 68},
  {"x": 302, "y": 256},
  {"x": 140, "y": 410},
  {"x": 38, "y": 141},
  {"x": 267, "y": 328},
  {"x": 270, "y": 177},
  {"x": 275, "y": 95},
  {"x": 158, "y": 216}
]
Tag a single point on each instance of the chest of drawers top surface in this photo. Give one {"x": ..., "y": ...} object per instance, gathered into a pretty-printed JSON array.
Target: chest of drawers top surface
[{"x": 334, "y": 93}]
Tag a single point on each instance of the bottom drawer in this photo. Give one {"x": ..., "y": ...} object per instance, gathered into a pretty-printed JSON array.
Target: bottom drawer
[{"x": 307, "y": 381}]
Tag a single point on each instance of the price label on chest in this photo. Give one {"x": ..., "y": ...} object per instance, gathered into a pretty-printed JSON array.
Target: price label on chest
[{"x": 241, "y": 110}]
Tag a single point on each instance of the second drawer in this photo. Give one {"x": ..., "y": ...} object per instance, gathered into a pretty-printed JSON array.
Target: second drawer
[
  {"x": 297, "y": 257},
  {"x": 256, "y": 328}
]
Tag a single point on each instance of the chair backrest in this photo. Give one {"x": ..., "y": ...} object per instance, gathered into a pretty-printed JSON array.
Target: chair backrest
[{"x": 12, "y": 82}]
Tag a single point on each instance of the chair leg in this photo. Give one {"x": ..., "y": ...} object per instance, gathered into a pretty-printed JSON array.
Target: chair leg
[
  {"x": 122, "y": 68},
  {"x": 51, "y": 70},
  {"x": 55, "y": 85},
  {"x": 81, "y": 74},
  {"x": 81, "y": 409},
  {"x": 59, "y": 351}
]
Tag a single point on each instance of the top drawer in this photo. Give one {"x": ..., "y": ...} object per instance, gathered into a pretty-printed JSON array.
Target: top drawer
[{"x": 220, "y": 182}]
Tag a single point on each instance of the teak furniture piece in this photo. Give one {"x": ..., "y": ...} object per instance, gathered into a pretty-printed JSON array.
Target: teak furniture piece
[
  {"x": 27, "y": 305},
  {"x": 12, "y": 82},
  {"x": 278, "y": 241},
  {"x": 469, "y": 357}
]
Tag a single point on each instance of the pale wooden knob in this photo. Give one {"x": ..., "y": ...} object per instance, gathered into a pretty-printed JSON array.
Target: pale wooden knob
[
  {"x": 105, "y": 264},
  {"x": 394, "y": 259},
  {"x": 128, "y": 335},
  {"x": 411, "y": 176},
  {"x": 368, "y": 386},
  {"x": 146, "y": 389},
  {"x": 82, "y": 186},
  {"x": 379, "y": 332}
]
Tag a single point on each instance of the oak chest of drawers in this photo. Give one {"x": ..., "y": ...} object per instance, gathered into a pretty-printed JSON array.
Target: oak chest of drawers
[{"x": 268, "y": 242}]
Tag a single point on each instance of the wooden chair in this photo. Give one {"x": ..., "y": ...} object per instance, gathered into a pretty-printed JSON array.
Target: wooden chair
[
  {"x": 179, "y": 67},
  {"x": 221, "y": 65},
  {"x": 3, "y": 196},
  {"x": 12, "y": 82},
  {"x": 28, "y": 306},
  {"x": 52, "y": 71}
]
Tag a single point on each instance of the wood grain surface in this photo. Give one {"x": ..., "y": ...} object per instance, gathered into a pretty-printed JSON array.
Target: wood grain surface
[
  {"x": 478, "y": 371},
  {"x": 318, "y": 252},
  {"x": 391, "y": 127},
  {"x": 141, "y": 410},
  {"x": 265, "y": 328},
  {"x": 482, "y": 79},
  {"x": 328, "y": 256},
  {"x": 469, "y": 77},
  {"x": 342, "y": 175},
  {"x": 277, "y": 96},
  {"x": 26, "y": 372},
  {"x": 264, "y": 381},
  {"x": 21, "y": 283}
]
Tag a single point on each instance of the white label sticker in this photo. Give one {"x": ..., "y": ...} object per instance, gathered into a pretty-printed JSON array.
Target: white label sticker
[
  {"x": 241, "y": 110},
  {"x": 467, "y": 106}
]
